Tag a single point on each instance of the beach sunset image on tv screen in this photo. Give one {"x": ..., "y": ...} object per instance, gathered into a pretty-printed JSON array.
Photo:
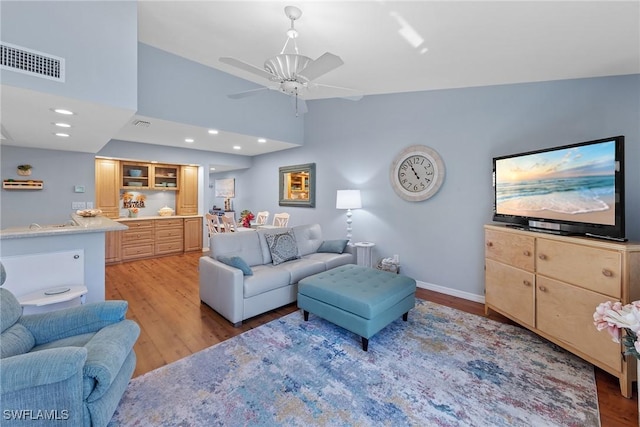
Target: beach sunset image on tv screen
[{"x": 571, "y": 184}]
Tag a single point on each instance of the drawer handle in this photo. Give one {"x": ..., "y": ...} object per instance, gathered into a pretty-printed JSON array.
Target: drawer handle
[
  {"x": 542, "y": 288},
  {"x": 526, "y": 283},
  {"x": 526, "y": 253},
  {"x": 607, "y": 272},
  {"x": 542, "y": 256},
  {"x": 489, "y": 244}
]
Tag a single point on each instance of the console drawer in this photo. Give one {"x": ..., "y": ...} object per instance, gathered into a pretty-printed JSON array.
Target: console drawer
[
  {"x": 512, "y": 249},
  {"x": 597, "y": 269}
]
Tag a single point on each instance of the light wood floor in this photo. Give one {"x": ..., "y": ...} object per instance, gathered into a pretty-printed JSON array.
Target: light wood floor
[{"x": 163, "y": 298}]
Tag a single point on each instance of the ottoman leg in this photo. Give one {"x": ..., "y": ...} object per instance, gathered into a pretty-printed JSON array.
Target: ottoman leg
[
  {"x": 365, "y": 344},
  {"x": 305, "y": 314},
  {"x": 405, "y": 316}
]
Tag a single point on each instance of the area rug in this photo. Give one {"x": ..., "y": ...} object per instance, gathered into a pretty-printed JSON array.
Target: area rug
[{"x": 443, "y": 367}]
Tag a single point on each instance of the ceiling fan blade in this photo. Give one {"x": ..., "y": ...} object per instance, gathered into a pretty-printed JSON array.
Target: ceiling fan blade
[
  {"x": 321, "y": 66},
  {"x": 246, "y": 93},
  {"x": 355, "y": 95},
  {"x": 246, "y": 67}
]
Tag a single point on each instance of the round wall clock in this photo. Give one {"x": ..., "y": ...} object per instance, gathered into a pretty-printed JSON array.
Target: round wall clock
[{"x": 416, "y": 173}]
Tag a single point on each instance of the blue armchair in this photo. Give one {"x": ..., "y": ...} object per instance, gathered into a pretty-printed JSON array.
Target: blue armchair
[{"x": 68, "y": 367}]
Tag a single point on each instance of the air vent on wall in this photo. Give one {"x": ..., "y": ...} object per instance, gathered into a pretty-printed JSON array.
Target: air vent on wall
[{"x": 32, "y": 62}]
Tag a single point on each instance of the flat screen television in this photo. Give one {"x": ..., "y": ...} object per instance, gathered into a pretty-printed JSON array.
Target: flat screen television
[{"x": 571, "y": 189}]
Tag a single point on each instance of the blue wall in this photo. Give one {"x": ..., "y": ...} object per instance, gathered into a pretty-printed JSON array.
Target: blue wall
[
  {"x": 199, "y": 97},
  {"x": 61, "y": 171},
  {"x": 98, "y": 39},
  {"x": 440, "y": 240}
]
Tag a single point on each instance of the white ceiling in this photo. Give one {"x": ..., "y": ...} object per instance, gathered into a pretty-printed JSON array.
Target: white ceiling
[{"x": 465, "y": 44}]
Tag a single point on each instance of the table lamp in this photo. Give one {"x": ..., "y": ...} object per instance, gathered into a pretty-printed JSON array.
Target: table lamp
[{"x": 348, "y": 199}]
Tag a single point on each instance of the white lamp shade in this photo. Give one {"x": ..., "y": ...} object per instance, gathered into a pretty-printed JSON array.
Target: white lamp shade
[{"x": 348, "y": 199}]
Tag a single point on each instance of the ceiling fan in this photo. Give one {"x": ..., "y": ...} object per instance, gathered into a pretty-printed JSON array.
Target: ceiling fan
[{"x": 291, "y": 72}]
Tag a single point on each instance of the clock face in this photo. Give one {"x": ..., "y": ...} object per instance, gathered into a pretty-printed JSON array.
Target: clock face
[{"x": 417, "y": 173}]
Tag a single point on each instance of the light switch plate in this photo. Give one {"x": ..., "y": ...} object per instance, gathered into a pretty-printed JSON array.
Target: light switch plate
[
  {"x": 78, "y": 205},
  {"x": 78, "y": 189}
]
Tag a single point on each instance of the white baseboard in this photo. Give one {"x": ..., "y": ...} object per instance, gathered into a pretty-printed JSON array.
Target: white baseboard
[{"x": 449, "y": 291}]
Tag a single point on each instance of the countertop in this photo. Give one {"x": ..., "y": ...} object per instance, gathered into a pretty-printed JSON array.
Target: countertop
[
  {"x": 78, "y": 225},
  {"x": 125, "y": 219}
]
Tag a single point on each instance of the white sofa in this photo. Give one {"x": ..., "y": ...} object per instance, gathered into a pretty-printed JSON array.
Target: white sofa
[{"x": 237, "y": 296}]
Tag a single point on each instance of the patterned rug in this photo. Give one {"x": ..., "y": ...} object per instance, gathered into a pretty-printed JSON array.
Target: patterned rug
[{"x": 443, "y": 367}]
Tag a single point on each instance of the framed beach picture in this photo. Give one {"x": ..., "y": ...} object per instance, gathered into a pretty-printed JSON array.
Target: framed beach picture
[{"x": 225, "y": 188}]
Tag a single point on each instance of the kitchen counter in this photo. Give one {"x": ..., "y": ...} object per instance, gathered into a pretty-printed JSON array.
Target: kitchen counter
[
  {"x": 125, "y": 219},
  {"x": 77, "y": 225}
]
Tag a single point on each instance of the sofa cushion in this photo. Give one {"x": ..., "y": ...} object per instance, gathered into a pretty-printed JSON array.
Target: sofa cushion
[
  {"x": 308, "y": 238},
  {"x": 300, "y": 268},
  {"x": 265, "y": 278},
  {"x": 245, "y": 245},
  {"x": 333, "y": 246},
  {"x": 237, "y": 262},
  {"x": 332, "y": 260},
  {"x": 282, "y": 246}
]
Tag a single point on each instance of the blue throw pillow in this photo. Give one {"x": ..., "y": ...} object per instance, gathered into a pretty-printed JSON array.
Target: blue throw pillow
[
  {"x": 283, "y": 247},
  {"x": 237, "y": 262},
  {"x": 333, "y": 246}
]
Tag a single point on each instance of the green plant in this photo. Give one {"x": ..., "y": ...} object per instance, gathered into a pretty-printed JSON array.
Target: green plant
[{"x": 24, "y": 167}]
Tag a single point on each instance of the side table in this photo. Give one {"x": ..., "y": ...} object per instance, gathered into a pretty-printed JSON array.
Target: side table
[{"x": 364, "y": 253}]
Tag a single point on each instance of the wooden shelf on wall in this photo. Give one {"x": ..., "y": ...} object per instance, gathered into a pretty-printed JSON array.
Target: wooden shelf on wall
[{"x": 17, "y": 184}]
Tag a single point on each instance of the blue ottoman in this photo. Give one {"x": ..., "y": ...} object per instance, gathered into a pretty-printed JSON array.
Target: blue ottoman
[{"x": 360, "y": 299}]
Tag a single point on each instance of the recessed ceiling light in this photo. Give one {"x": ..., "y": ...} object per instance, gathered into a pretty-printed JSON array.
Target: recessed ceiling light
[
  {"x": 63, "y": 125},
  {"x": 154, "y": 161},
  {"x": 63, "y": 111},
  {"x": 237, "y": 147},
  {"x": 262, "y": 140},
  {"x": 213, "y": 131},
  {"x": 212, "y": 169},
  {"x": 189, "y": 140},
  {"x": 63, "y": 135}
]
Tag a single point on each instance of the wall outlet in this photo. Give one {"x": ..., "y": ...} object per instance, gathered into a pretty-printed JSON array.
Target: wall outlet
[
  {"x": 89, "y": 205},
  {"x": 78, "y": 205}
]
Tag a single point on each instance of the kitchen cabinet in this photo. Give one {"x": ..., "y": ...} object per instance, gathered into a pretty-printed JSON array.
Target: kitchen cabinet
[
  {"x": 112, "y": 247},
  {"x": 138, "y": 241},
  {"x": 552, "y": 285},
  {"x": 107, "y": 175},
  {"x": 153, "y": 237},
  {"x": 193, "y": 234},
  {"x": 187, "y": 197},
  {"x": 165, "y": 177},
  {"x": 135, "y": 175},
  {"x": 169, "y": 236}
]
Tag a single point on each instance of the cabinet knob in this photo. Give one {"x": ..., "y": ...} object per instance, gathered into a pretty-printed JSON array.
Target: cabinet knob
[
  {"x": 542, "y": 256},
  {"x": 526, "y": 283},
  {"x": 542, "y": 288},
  {"x": 607, "y": 273},
  {"x": 526, "y": 253},
  {"x": 489, "y": 244}
]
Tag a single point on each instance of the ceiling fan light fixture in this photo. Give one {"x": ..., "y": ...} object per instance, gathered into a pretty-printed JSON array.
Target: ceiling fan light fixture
[{"x": 286, "y": 66}]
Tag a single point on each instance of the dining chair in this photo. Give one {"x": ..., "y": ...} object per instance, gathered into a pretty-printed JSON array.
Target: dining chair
[
  {"x": 262, "y": 217},
  {"x": 228, "y": 224},
  {"x": 213, "y": 224},
  {"x": 281, "y": 219}
]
